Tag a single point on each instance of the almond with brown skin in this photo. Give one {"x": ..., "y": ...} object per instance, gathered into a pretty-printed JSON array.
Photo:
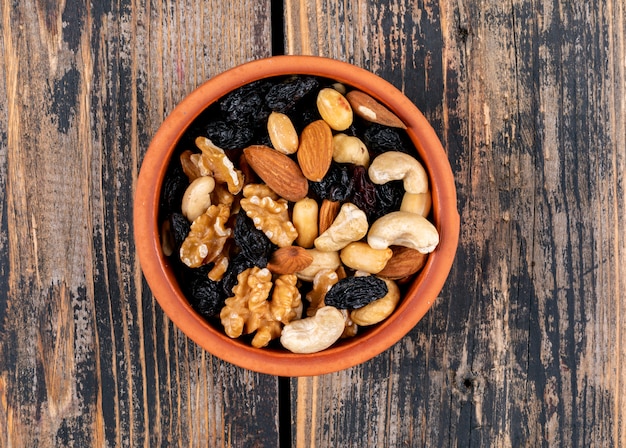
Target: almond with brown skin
[
  {"x": 278, "y": 171},
  {"x": 369, "y": 109},
  {"x": 404, "y": 262},
  {"x": 327, "y": 214},
  {"x": 289, "y": 259},
  {"x": 315, "y": 152}
]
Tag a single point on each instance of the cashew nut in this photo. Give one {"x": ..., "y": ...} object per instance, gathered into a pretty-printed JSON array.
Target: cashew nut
[
  {"x": 313, "y": 334},
  {"x": 361, "y": 257},
  {"x": 349, "y": 149},
  {"x": 396, "y": 165},
  {"x": 304, "y": 218},
  {"x": 197, "y": 197},
  {"x": 403, "y": 229},
  {"x": 349, "y": 225},
  {"x": 321, "y": 260},
  {"x": 419, "y": 203},
  {"x": 380, "y": 309}
]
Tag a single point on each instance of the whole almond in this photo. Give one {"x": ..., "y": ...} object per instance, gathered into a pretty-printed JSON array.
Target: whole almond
[
  {"x": 327, "y": 214},
  {"x": 369, "y": 109},
  {"x": 315, "y": 152},
  {"x": 278, "y": 171},
  {"x": 404, "y": 262},
  {"x": 289, "y": 259}
]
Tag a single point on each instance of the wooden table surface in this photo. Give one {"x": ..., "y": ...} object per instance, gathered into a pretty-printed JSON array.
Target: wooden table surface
[{"x": 526, "y": 345}]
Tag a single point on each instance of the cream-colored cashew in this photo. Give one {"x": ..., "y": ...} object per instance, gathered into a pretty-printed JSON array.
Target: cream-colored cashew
[
  {"x": 360, "y": 256},
  {"x": 396, "y": 165},
  {"x": 349, "y": 149},
  {"x": 304, "y": 218},
  {"x": 419, "y": 203},
  {"x": 380, "y": 309},
  {"x": 197, "y": 197},
  {"x": 349, "y": 225},
  {"x": 313, "y": 334},
  {"x": 403, "y": 229},
  {"x": 321, "y": 260}
]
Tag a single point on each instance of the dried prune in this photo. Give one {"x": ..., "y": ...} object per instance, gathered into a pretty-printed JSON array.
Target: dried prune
[
  {"x": 284, "y": 96},
  {"x": 336, "y": 184},
  {"x": 229, "y": 135},
  {"x": 246, "y": 104},
  {"x": 379, "y": 139},
  {"x": 355, "y": 292},
  {"x": 253, "y": 243}
]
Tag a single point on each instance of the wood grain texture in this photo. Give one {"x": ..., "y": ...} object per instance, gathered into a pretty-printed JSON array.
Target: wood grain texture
[
  {"x": 87, "y": 356},
  {"x": 525, "y": 346}
]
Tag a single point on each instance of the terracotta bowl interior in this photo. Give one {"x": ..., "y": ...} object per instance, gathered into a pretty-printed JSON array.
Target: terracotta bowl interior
[{"x": 349, "y": 352}]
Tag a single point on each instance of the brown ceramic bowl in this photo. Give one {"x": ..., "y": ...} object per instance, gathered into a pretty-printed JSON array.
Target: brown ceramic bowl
[{"x": 420, "y": 295}]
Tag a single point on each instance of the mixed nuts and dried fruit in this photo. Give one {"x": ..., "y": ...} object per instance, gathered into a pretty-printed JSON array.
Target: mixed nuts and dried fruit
[{"x": 293, "y": 210}]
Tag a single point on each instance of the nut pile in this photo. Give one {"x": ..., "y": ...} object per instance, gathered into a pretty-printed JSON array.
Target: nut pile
[{"x": 294, "y": 210}]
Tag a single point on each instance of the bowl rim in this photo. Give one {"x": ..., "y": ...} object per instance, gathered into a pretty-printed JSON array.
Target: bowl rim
[{"x": 348, "y": 352}]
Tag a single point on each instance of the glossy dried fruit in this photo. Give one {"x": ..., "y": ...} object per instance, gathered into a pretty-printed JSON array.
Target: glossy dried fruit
[
  {"x": 336, "y": 185},
  {"x": 284, "y": 96},
  {"x": 355, "y": 292},
  {"x": 252, "y": 243},
  {"x": 246, "y": 105},
  {"x": 204, "y": 295},
  {"x": 364, "y": 191},
  {"x": 179, "y": 228},
  {"x": 379, "y": 139},
  {"x": 228, "y": 136},
  {"x": 174, "y": 185},
  {"x": 388, "y": 198}
]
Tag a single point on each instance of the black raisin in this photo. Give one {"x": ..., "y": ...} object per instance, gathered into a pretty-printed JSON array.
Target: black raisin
[
  {"x": 305, "y": 113},
  {"x": 336, "y": 185},
  {"x": 228, "y": 135},
  {"x": 174, "y": 185},
  {"x": 246, "y": 104},
  {"x": 284, "y": 96},
  {"x": 179, "y": 227},
  {"x": 236, "y": 265},
  {"x": 379, "y": 139},
  {"x": 388, "y": 198},
  {"x": 355, "y": 292},
  {"x": 253, "y": 243},
  {"x": 206, "y": 296}
]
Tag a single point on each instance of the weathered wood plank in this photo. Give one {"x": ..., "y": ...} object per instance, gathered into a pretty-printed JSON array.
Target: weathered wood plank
[
  {"x": 88, "y": 359},
  {"x": 525, "y": 346}
]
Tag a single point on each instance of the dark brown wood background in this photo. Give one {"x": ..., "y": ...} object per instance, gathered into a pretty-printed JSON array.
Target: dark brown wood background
[{"x": 526, "y": 345}]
